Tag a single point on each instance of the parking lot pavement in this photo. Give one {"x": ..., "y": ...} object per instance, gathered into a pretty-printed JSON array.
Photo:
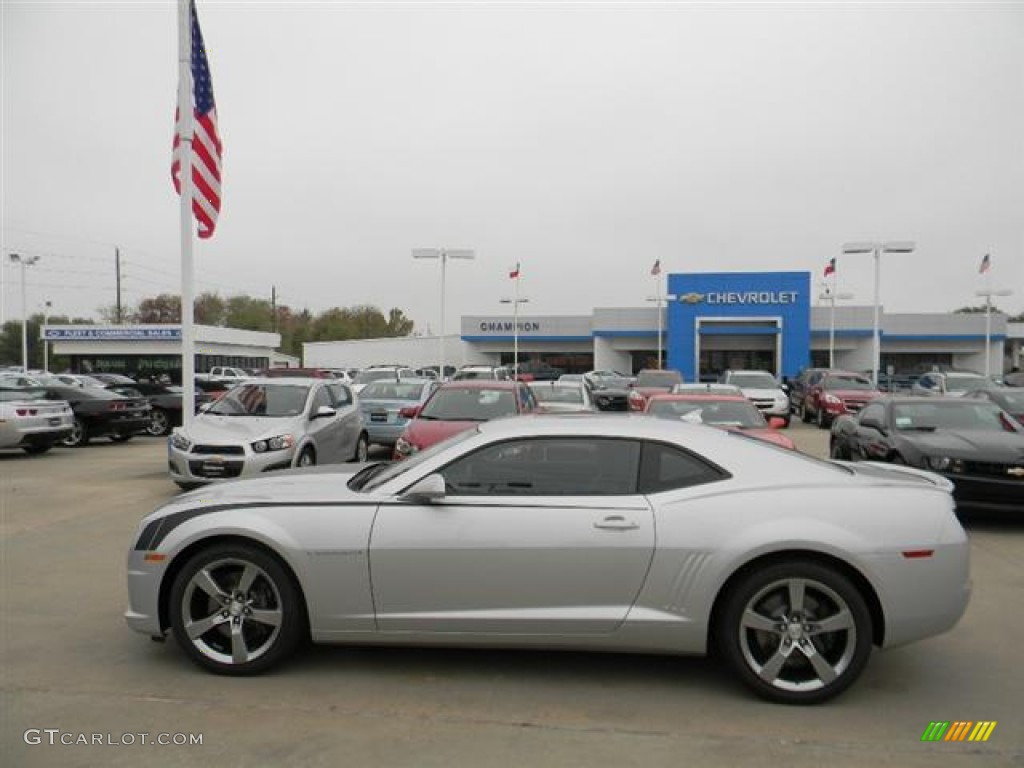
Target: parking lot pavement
[{"x": 72, "y": 669}]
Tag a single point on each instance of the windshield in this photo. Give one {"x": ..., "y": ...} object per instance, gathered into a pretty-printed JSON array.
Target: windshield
[
  {"x": 391, "y": 390},
  {"x": 848, "y": 382},
  {"x": 365, "y": 377},
  {"x": 1014, "y": 400},
  {"x": 558, "y": 394},
  {"x": 959, "y": 414},
  {"x": 469, "y": 404},
  {"x": 723, "y": 413},
  {"x": 274, "y": 400},
  {"x": 964, "y": 383},
  {"x": 667, "y": 379},
  {"x": 754, "y": 380},
  {"x": 375, "y": 476}
]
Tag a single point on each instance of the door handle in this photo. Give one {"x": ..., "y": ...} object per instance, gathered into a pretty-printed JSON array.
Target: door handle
[{"x": 616, "y": 523}]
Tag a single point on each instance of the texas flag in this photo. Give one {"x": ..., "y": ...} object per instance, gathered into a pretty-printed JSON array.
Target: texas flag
[
  {"x": 656, "y": 269},
  {"x": 986, "y": 263},
  {"x": 830, "y": 268},
  {"x": 514, "y": 273}
]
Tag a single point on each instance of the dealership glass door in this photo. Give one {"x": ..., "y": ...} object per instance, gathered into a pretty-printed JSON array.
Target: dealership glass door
[{"x": 737, "y": 343}]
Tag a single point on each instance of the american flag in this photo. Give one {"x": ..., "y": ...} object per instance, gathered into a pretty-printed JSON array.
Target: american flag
[
  {"x": 986, "y": 263},
  {"x": 830, "y": 267},
  {"x": 206, "y": 146},
  {"x": 514, "y": 273},
  {"x": 656, "y": 269}
]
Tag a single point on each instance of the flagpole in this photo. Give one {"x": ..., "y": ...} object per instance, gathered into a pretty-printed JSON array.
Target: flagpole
[
  {"x": 515, "y": 327},
  {"x": 658, "y": 293},
  {"x": 186, "y": 119},
  {"x": 988, "y": 317}
]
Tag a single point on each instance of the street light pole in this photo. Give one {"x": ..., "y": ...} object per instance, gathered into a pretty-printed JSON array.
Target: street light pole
[
  {"x": 515, "y": 302},
  {"x": 443, "y": 254},
  {"x": 988, "y": 293},
  {"x": 831, "y": 297},
  {"x": 877, "y": 249},
  {"x": 46, "y": 344},
  {"x": 24, "y": 261}
]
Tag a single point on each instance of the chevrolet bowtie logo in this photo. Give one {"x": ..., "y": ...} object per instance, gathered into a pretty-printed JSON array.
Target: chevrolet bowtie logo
[
  {"x": 1015, "y": 471},
  {"x": 692, "y": 298}
]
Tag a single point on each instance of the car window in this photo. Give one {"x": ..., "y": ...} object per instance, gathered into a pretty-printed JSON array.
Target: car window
[
  {"x": 564, "y": 466},
  {"x": 875, "y": 411},
  {"x": 341, "y": 394},
  {"x": 262, "y": 400},
  {"x": 322, "y": 397},
  {"x": 666, "y": 467},
  {"x": 456, "y": 403}
]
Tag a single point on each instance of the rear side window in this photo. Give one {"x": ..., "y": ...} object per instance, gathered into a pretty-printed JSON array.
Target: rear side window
[{"x": 665, "y": 468}]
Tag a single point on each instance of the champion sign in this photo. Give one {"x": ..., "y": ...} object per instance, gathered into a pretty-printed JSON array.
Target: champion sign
[
  {"x": 746, "y": 297},
  {"x": 506, "y": 326}
]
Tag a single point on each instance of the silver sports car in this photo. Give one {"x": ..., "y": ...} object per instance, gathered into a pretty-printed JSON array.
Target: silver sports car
[{"x": 577, "y": 532}]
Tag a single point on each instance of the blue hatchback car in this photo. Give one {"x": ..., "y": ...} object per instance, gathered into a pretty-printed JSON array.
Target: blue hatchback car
[{"x": 382, "y": 401}]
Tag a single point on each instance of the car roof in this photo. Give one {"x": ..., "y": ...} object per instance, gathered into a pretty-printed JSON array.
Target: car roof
[
  {"x": 699, "y": 397},
  {"x": 480, "y": 384}
]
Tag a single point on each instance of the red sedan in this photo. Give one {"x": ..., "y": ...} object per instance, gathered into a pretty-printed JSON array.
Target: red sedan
[
  {"x": 457, "y": 406},
  {"x": 835, "y": 394},
  {"x": 724, "y": 411}
]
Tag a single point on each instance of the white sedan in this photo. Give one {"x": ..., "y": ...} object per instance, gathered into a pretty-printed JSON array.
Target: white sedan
[{"x": 586, "y": 532}]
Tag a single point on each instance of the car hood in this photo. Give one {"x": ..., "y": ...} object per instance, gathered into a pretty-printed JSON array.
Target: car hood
[
  {"x": 424, "y": 433},
  {"x": 975, "y": 445},
  {"x": 211, "y": 428},
  {"x": 761, "y": 393},
  {"x": 326, "y": 483},
  {"x": 854, "y": 394}
]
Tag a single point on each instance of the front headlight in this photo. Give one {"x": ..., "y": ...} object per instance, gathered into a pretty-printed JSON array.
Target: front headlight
[
  {"x": 404, "y": 448},
  {"x": 179, "y": 441},
  {"x": 831, "y": 399},
  {"x": 278, "y": 443},
  {"x": 943, "y": 464}
]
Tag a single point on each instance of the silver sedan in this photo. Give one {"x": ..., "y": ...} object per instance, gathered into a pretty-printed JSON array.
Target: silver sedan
[
  {"x": 584, "y": 532},
  {"x": 265, "y": 425}
]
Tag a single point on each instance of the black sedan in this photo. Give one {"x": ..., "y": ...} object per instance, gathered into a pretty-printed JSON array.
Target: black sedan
[
  {"x": 165, "y": 401},
  {"x": 974, "y": 443},
  {"x": 101, "y": 412}
]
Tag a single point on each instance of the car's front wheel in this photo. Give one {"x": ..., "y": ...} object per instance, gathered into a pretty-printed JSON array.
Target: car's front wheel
[
  {"x": 235, "y": 610},
  {"x": 795, "y": 632}
]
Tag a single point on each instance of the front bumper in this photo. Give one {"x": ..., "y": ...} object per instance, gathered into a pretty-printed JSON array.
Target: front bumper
[
  {"x": 143, "y": 611},
  {"x": 188, "y": 467}
]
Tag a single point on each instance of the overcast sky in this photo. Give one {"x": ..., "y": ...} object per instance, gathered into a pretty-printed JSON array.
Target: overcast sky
[{"x": 584, "y": 140}]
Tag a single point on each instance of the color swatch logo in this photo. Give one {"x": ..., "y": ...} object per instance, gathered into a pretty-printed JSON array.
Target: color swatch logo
[{"x": 959, "y": 730}]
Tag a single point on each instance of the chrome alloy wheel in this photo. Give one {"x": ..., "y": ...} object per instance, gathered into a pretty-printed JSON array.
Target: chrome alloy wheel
[
  {"x": 231, "y": 611},
  {"x": 797, "y": 635}
]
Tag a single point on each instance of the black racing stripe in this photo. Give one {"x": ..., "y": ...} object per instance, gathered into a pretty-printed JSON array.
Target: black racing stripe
[{"x": 157, "y": 530}]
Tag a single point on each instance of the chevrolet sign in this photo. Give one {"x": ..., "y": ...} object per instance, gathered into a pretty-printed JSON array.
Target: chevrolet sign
[
  {"x": 692, "y": 298},
  {"x": 737, "y": 297}
]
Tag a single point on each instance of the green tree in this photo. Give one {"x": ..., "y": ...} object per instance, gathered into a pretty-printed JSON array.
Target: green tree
[
  {"x": 211, "y": 309},
  {"x": 165, "y": 308}
]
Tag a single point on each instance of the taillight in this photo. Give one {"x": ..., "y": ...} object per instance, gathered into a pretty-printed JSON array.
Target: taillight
[
  {"x": 118, "y": 406},
  {"x": 26, "y": 411}
]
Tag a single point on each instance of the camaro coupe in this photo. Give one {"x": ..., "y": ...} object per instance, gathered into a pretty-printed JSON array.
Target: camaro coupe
[{"x": 594, "y": 532}]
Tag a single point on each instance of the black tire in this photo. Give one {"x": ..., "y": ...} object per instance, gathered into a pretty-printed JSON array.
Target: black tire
[
  {"x": 159, "y": 423},
  {"x": 823, "y": 420},
  {"x": 362, "y": 453},
  {"x": 785, "y": 421},
  {"x": 79, "y": 435},
  {"x": 187, "y": 486},
  {"x": 895, "y": 458},
  {"x": 835, "y": 451},
  {"x": 782, "y": 653},
  {"x": 307, "y": 458},
  {"x": 258, "y": 643},
  {"x": 35, "y": 450},
  {"x": 805, "y": 415},
  {"x": 119, "y": 438}
]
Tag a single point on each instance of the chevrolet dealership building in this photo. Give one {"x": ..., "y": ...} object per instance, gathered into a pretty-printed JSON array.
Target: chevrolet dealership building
[{"x": 710, "y": 322}]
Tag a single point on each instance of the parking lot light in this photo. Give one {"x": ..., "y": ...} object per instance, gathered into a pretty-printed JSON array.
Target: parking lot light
[
  {"x": 443, "y": 254},
  {"x": 877, "y": 249},
  {"x": 988, "y": 293},
  {"x": 24, "y": 261}
]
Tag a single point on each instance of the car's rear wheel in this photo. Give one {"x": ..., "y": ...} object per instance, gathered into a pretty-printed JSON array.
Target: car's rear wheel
[
  {"x": 805, "y": 415},
  {"x": 362, "y": 452},
  {"x": 159, "y": 423},
  {"x": 79, "y": 434},
  {"x": 835, "y": 451},
  {"x": 36, "y": 449},
  {"x": 120, "y": 438},
  {"x": 235, "y": 610},
  {"x": 795, "y": 632},
  {"x": 824, "y": 422}
]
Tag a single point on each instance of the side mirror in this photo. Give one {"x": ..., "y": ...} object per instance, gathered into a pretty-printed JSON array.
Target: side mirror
[
  {"x": 776, "y": 422},
  {"x": 324, "y": 412},
  {"x": 426, "y": 490},
  {"x": 410, "y": 411}
]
